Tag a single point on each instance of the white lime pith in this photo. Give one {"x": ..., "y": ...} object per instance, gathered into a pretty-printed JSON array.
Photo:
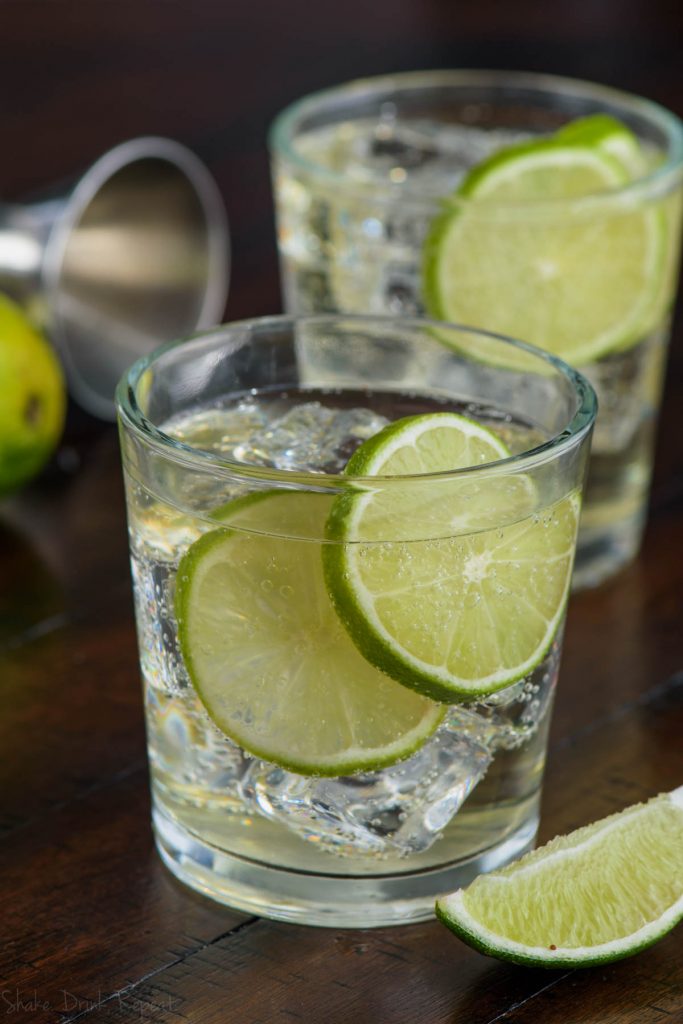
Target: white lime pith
[
  {"x": 456, "y": 587},
  {"x": 539, "y": 244},
  {"x": 268, "y": 656},
  {"x": 601, "y": 893}
]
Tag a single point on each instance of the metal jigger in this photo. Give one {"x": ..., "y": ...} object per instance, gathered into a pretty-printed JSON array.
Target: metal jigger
[{"x": 135, "y": 254}]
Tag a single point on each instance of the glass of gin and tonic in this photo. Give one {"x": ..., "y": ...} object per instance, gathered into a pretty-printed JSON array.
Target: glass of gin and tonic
[
  {"x": 352, "y": 542},
  {"x": 543, "y": 208}
]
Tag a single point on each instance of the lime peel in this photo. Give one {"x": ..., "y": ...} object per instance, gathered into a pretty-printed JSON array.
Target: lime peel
[
  {"x": 268, "y": 657},
  {"x": 455, "y": 618},
  {"x": 580, "y": 283},
  {"x": 611, "y": 136},
  {"x": 541, "y": 894}
]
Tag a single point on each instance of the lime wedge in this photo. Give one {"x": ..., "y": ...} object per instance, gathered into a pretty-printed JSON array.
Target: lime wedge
[
  {"x": 519, "y": 250},
  {"x": 268, "y": 656},
  {"x": 601, "y": 893},
  {"x": 455, "y": 587}
]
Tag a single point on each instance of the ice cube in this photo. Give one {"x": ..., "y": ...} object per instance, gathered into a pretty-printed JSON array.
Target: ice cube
[
  {"x": 218, "y": 429},
  {"x": 402, "y": 290},
  {"x": 307, "y": 290},
  {"x": 436, "y": 155},
  {"x": 516, "y": 713},
  {"x": 185, "y": 745},
  {"x": 398, "y": 811},
  {"x": 153, "y": 589},
  {"x": 312, "y": 438},
  {"x": 392, "y": 147}
]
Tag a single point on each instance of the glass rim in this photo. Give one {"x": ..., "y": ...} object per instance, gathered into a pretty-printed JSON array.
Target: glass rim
[
  {"x": 132, "y": 417},
  {"x": 282, "y": 133}
]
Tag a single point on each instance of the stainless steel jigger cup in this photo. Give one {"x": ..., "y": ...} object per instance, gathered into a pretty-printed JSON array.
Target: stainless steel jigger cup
[{"x": 134, "y": 254}]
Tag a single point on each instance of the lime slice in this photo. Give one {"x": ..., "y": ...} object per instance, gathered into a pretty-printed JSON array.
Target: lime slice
[
  {"x": 267, "y": 655},
  {"x": 606, "y": 133},
  {"x": 601, "y": 893},
  {"x": 519, "y": 251},
  {"x": 613, "y": 137},
  {"x": 453, "y": 586}
]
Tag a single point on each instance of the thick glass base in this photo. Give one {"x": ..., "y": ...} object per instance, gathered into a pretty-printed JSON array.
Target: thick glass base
[
  {"x": 339, "y": 901},
  {"x": 603, "y": 550}
]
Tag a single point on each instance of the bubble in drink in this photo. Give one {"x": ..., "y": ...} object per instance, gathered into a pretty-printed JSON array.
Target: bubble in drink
[{"x": 479, "y": 771}]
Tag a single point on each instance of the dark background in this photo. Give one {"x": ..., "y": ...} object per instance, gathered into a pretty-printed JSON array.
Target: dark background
[
  {"x": 79, "y": 76},
  {"x": 92, "y": 927}
]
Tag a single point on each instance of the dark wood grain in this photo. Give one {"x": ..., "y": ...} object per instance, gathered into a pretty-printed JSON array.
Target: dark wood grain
[
  {"x": 88, "y": 909},
  {"x": 83, "y": 678},
  {"x": 92, "y": 927},
  {"x": 197, "y": 961}
]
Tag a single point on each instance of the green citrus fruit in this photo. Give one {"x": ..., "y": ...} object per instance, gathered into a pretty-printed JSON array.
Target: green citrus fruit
[
  {"x": 611, "y": 136},
  {"x": 601, "y": 893},
  {"x": 32, "y": 398},
  {"x": 454, "y": 588},
  {"x": 519, "y": 250},
  {"x": 267, "y": 655}
]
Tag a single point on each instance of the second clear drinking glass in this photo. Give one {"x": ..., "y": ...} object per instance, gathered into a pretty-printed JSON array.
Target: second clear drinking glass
[
  {"x": 351, "y": 544},
  {"x": 392, "y": 199}
]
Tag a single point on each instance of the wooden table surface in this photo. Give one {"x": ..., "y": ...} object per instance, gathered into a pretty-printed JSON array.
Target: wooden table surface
[{"x": 92, "y": 927}]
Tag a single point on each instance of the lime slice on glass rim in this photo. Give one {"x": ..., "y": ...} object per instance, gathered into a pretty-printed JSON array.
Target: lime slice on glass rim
[
  {"x": 474, "y": 607},
  {"x": 527, "y": 247},
  {"x": 601, "y": 893},
  {"x": 267, "y": 655},
  {"x": 610, "y": 135},
  {"x": 613, "y": 137}
]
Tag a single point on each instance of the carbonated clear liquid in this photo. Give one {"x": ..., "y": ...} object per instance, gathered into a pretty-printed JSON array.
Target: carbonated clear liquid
[
  {"x": 343, "y": 251},
  {"x": 472, "y": 784}
]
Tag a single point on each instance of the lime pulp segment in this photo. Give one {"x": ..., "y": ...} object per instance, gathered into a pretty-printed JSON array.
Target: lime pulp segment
[
  {"x": 602, "y": 893},
  {"x": 268, "y": 656},
  {"x": 471, "y": 602}
]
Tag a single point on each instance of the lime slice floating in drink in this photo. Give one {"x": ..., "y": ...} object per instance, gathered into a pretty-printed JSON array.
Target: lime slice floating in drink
[
  {"x": 456, "y": 586},
  {"x": 602, "y": 893},
  {"x": 267, "y": 655},
  {"x": 540, "y": 244}
]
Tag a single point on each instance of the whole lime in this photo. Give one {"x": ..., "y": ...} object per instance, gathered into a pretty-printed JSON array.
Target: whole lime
[{"x": 32, "y": 398}]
